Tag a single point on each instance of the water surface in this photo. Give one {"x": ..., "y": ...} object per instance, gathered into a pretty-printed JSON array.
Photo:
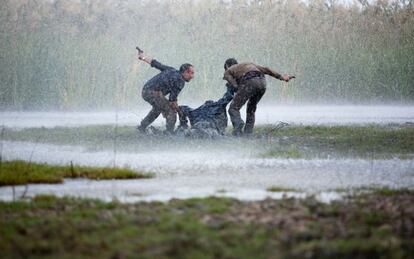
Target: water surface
[
  {"x": 266, "y": 114},
  {"x": 200, "y": 173}
]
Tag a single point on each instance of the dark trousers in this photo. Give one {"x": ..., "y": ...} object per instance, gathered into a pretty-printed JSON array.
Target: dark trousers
[
  {"x": 252, "y": 91},
  {"x": 160, "y": 105}
]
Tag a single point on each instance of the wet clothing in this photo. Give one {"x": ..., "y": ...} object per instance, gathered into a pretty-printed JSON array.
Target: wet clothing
[
  {"x": 208, "y": 120},
  {"x": 168, "y": 82},
  {"x": 236, "y": 74},
  {"x": 249, "y": 81},
  {"x": 252, "y": 91},
  {"x": 230, "y": 92},
  {"x": 160, "y": 105}
]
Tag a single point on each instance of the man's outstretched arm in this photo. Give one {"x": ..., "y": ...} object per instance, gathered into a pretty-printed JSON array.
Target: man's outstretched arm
[
  {"x": 271, "y": 72},
  {"x": 153, "y": 62}
]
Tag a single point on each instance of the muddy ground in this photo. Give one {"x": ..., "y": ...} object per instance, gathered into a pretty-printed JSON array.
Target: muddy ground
[{"x": 375, "y": 224}]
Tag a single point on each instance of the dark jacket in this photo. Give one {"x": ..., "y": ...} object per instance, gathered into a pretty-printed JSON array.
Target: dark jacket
[
  {"x": 211, "y": 115},
  {"x": 169, "y": 81},
  {"x": 228, "y": 96}
]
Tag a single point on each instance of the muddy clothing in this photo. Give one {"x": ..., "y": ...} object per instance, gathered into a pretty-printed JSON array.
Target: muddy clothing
[
  {"x": 238, "y": 73},
  {"x": 169, "y": 81},
  {"x": 160, "y": 105},
  {"x": 249, "y": 80},
  {"x": 252, "y": 91}
]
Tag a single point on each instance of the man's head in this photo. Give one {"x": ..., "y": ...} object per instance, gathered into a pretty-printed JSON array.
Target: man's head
[
  {"x": 229, "y": 62},
  {"x": 187, "y": 71}
]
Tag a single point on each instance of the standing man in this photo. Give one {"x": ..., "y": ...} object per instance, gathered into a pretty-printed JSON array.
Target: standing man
[
  {"x": 247, "y": 83},
  {"x": 169, "y": 82}
]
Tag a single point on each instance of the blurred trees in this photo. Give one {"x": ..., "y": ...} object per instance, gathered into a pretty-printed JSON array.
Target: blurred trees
[{"x": 80, "y": 54}]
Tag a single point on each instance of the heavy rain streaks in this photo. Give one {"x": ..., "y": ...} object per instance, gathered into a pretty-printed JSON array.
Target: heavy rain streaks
[
  {"x": 109, "y": 150},
  {"x": 71, "y": 92}
]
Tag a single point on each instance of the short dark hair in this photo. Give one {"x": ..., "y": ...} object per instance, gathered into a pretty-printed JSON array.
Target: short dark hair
[
  {"x": 230, "y": 62},
  {"x": 184, "y": 67}
]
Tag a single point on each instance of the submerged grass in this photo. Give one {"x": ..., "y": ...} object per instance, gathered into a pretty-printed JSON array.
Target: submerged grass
[
  {"x": 20, "y": 172},
  {"x": 289, "y": 153},
  {"x": 372, "y": 141},
  {"x": 391, "y": 192},
  {"x": 102, "y": 137},
  {"x": 369, "y": 141},
  {"x": 279, "y": 189},
  {"x": 366, "y": 226}
]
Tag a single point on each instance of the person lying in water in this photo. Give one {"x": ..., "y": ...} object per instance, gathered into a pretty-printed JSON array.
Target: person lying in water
[{"x": 208, "y": 120}]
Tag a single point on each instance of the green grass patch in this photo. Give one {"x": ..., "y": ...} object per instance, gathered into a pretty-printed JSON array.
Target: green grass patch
[
  {"x": 279, "y": 189},
  {"x": 21, "y": 172},
  {"x": 289, "y": 153},
  {"x": 90, "y": 136},
  {"x": 371, "y": 141},
  {"x": 53, "y": 227},
  {"x": 380, "y": 191},
  {"x": 391, "y": 192},
  {"x": 353, "y": 247}
]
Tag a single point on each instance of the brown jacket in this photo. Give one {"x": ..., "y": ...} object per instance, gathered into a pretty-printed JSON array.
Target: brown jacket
[{"x": 236, "y": 72}]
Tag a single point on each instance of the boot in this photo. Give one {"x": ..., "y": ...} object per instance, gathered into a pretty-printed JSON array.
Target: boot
[{"x": 238, "y": 130}]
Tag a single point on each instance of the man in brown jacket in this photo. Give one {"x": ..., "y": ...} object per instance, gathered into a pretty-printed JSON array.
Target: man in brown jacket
[{"x": 249, "y": 81}]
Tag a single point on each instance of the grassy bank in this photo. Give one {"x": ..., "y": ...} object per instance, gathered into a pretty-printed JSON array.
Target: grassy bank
[
  {"x": 371, "y": 141},
  {"x": 20, "y": 172},
  {"x": 374, "y": 225}
]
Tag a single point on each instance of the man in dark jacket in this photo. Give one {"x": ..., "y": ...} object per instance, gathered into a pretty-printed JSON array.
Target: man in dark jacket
[
  {"x": 246, "y": 82},
  {"x": 169, "y": 82}
]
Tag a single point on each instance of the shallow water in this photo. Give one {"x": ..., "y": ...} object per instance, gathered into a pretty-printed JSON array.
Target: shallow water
[
  {"x": 199, "y": 173},
  {"x": 306, "y": 115},
  {"x": 190, "y": 169}
]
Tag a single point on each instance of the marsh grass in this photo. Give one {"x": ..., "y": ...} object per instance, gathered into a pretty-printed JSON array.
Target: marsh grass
[
  {"x": 20, "y": 173},
  {"x": 363, "y": 226},
  {"x": 371, "y": 141},
  {"x": 391, "y": 192},
  {"x": 289, "y": 153},
  {"x": 280, "y": 189},
  {"x": 307, "y": 142}
]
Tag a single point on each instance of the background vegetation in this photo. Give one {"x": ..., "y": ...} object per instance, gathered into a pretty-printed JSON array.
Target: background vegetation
[{"x": 81, "y": 54}]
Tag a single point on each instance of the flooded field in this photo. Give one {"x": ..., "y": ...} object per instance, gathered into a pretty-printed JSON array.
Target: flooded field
[
  {"x": 266, "y": 114},
  {"x": 299, "y": 159}
]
